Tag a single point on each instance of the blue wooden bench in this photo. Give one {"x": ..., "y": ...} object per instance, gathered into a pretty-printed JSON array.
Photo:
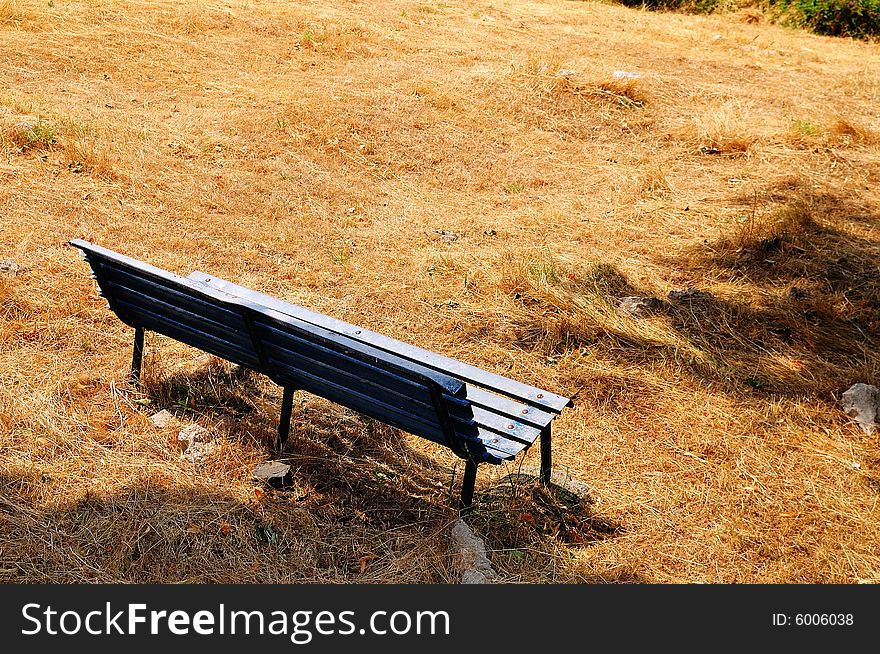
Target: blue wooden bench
[{"x": 481, "y": 416}]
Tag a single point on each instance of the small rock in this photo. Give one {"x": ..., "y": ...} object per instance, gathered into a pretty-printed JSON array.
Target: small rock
[
  {"x": 194, "y": 435},
  {"x": 446, "y": 236},
  {"x": 198, "y": 452},
  {"x": 470, "y": 556},
  {"x": 623, "y": 74},
  {"x": 8, "y": 268},
  {"x": 162, "y": 419},
  {"x": 638, "y": 307},
  {"x": 274, "y": 473},
  {"x": 689, "y": 295},
  {"x": 862, "y": 402},
  {"x": 564, "y": 72}
]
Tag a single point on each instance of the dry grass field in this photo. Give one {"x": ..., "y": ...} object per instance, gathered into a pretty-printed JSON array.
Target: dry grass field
[{"x": 314, "y": 152}]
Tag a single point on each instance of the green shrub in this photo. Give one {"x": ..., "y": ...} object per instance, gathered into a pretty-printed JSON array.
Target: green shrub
[
  {"x": 687, "y": 6},
  {"x": 856, "y": 18},
  {"x": 853, "y": 18}
]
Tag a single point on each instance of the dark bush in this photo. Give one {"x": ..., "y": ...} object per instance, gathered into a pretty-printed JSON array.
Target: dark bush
[
  {"x": 856, "y": 18},
  {"x": 688, "y": 6}
]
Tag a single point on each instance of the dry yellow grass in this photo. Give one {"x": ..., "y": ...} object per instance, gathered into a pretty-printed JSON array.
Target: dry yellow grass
[{"x": 311, "y": 151}]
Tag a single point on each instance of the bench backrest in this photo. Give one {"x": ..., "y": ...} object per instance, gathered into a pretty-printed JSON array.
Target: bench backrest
[
  {"x": 157, "y": 300},
  {"x": 540, "y": 400},
  {"x": 292, "y": 352},
  {"x": 375, "y": 383}
]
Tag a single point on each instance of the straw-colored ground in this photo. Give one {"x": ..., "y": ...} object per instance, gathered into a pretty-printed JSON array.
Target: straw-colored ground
[{"x": 312, "y": 152}]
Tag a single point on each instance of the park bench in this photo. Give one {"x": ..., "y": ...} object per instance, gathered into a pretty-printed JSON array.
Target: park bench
[{"x": 481, "y": 416}]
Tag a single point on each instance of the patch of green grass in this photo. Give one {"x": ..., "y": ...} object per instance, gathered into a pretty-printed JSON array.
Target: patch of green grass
[
  {"x": 514, "y": 187},
  {"x": 544, "y": 272},
  {"x": 311, "y": 38},
  {"x": 806, "y": 128},
  {"x": 40, "y": 135}
]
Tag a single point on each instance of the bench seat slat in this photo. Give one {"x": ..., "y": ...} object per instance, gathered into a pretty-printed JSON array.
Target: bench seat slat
[
  {"x": 376, "y": 382},
  {"x": 507, "y": 407},
  {"x": 467, "y": 373},
  {"x": 278, "y": 344},
  {"x": 499, "y": 424},
  {"x": 192, "y": 336},
  {"x": 500, "y": 448}
]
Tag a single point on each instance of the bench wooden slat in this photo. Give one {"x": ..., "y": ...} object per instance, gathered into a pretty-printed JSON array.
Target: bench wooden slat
[
  {"x": 289, "y": 367},
  {"x": 465, "y": 372},
  {"x": 295, "y": 344},
  {"x": 207, "y": 308},
  {"x": 500, "y": 448},
  {"x": 403, "y": 366},
  {"x": 507, "y": 407},
  {"x": 184, "y": 315},
  {"x": 95, "y": 254},
  {"x": 192, "y": 336},
  {"x": 310, "y": 354},
  {"x": 405, "y": 418},
  {"x": 507, "y": 427}
]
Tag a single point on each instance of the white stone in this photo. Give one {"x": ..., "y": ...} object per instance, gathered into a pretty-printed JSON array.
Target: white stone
[
  {"x": 8, "y": 268},
  {"x": 162, "y": 419},
  {"x": 470, "y": 556},
  {"x": 638, "y": 307},
  {"x": 862, "y": 403},
  {"x": 198, "y": 452},
  {"x": 194, "y": 434}
]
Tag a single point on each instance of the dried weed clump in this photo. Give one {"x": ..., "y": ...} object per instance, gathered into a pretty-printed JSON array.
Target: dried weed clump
[{"x": 488, "y": 182}]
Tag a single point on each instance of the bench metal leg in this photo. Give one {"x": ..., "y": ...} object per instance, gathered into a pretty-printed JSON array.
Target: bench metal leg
[
  {"x": 137, "y": 356},
  {"x": 467, "y": 485},
  {"x": 284, "y": 422},
  {"x": 546, "y": 456}
]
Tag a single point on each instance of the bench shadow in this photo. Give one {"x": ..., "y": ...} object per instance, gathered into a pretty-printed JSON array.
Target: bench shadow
[
  {"x": 518, "y": 510},
  {"x": 361, "y": 475},
  {"x": 526, "y": 525}
]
